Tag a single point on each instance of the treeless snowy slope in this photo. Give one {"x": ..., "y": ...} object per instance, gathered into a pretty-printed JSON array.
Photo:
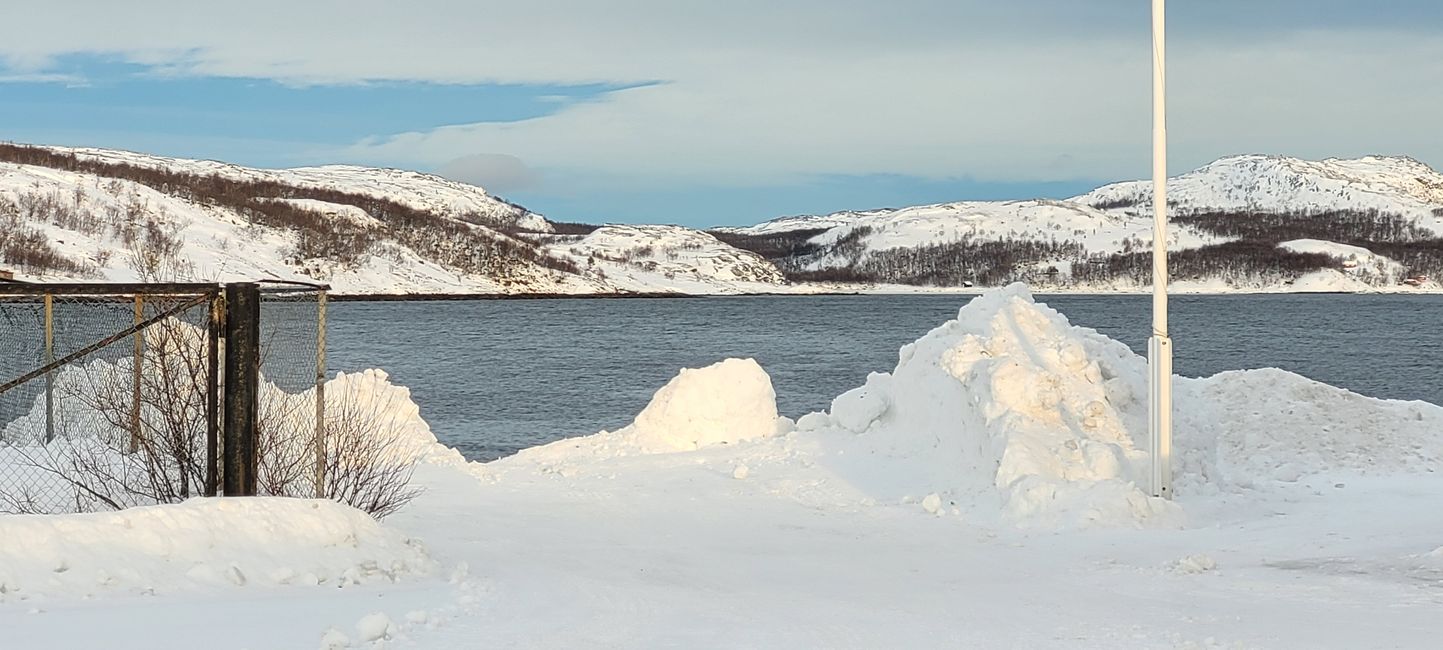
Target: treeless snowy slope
[
  {"x": 809, "y": 222},
  {"x": 1354, "y": 261}
]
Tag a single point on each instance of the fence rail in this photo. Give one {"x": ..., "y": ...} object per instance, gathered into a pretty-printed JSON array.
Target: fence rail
[{"x": 115, "y": 395}]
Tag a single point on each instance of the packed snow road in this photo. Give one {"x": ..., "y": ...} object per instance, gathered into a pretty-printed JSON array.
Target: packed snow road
[{"x": 983, "y": 494}]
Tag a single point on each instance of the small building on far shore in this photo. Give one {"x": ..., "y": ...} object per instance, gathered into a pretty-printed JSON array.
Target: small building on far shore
[{"x": 7, "y": 275}]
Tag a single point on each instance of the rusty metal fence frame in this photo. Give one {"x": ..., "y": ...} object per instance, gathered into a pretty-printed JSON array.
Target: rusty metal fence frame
[{"x": 232, "y": 361}]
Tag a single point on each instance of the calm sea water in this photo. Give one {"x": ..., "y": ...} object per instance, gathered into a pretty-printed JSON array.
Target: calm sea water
[{"x": 495, "y": 376}]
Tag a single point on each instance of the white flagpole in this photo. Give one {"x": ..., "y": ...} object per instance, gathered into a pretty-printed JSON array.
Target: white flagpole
[{"x": 1159, "y": 346}]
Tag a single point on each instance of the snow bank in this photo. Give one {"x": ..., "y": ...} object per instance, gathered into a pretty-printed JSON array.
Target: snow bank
[
  {"x": 201, "y": 544},
  {"x": 1010, "y": 412},
  {"x": 1265, "y": 428},
  {"x": 370, "y": 396},
  {"x": 723, "y": 403},
  {"x": 1005, "y": 401},
  {"x": 1054, "y": 418},
  {"x": 726, "y": 403}
]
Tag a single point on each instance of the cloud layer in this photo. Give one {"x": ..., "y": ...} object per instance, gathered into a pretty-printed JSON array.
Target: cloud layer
[{"x": 751, "y": 93}]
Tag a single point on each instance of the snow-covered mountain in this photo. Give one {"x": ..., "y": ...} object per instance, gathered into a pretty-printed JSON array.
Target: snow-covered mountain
[
  {"x": 90, "y": 214},
  {"x": 1397, "y": 185},
  {"x": 416, "y": 189},
  {"x": 1099, "y": 231},
  {"x": 682, "y": 258},
  {"x": 1116, "y": 220}
]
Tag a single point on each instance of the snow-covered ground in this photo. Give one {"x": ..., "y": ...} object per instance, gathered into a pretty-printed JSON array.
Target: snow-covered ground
[{"x": 983, "y": 494}]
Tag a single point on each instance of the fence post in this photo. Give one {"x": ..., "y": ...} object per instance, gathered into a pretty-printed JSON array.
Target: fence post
[
  {"x": 212, "y": 393},
  {"x": 321, "y": 395},
  {"x": 242, "y": 386},
  {"x": 135, "y": 387},
  {"x": 49, "y": 375}
]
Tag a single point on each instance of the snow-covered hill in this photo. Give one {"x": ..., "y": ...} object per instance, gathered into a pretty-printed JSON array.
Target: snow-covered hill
[
  {"x": 419, "y": 190},
  {"x": 78, "y": 221},
  {"x": 1098, "y": 231},
  {"x": 652, "y": 256},
  {"x": 1117, "y": 219},
  {"x": 1392, "y": 184},
  {"x": 94, "y": 222}
]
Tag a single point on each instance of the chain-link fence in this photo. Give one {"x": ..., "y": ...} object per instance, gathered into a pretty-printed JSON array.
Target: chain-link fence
[
  {"x": 290, "y": 432},
  {"x": 113, "y": 396}
]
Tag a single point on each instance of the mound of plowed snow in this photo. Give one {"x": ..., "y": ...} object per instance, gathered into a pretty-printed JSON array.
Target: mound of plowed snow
[{"x": 1011, "y": 411}]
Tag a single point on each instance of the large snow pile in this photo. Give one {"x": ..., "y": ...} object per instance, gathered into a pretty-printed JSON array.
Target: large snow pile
[
  {"x": 1006, "y": 401},
  {"x": 726, "y": 402},
  {"x": 201, "y": 544},
  {"x": 1266, "y": 428},
  {"x": 1009, "y": 411}
]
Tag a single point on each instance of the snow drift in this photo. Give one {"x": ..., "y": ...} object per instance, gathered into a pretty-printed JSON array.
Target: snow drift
[
  {"x": 201, "y": 544},
  {"x": 1009, "y": 411}
]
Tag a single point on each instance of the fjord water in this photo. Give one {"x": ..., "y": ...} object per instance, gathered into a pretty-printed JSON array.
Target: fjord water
[{"x": 495, "y": 376}]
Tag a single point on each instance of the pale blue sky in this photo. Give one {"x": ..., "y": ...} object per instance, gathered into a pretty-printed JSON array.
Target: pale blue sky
[{"x": 709, "y": 113}]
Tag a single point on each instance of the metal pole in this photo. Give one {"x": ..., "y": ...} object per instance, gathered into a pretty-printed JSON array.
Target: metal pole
[
  {"x": 49, "y": 375},
  {"x": 135, "y": 386},
  {"x": 1159, "y": 346},
  {"x": 321, "y": 395}
]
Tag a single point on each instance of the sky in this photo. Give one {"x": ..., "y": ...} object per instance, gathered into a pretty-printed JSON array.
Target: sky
[{"x": 707, "y": 113}]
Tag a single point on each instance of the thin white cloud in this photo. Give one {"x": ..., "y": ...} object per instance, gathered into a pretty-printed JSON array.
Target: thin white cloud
[
  {"x": 499, "y": 173},
  {"x": 72, "y": 80},
  {"x": 758, "y": 92}
]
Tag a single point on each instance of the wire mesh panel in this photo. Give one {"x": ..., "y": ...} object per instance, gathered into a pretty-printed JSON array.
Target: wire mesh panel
[
  {"x": 291, "y": 406},
  {"x": 107, "y": 396},
  {"x": 112, "y": 396}
]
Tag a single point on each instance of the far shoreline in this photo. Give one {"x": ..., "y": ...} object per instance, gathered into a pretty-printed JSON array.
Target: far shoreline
[{"x": 440, "y": 297}]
